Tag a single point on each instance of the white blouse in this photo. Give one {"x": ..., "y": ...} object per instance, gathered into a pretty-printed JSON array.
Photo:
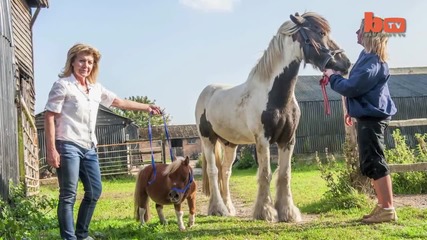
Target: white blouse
[{"x": 77, "y": 110}]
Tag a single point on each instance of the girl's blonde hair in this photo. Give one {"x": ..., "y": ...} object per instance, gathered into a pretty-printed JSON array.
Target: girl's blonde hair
[
  {"x": 375, "y": 42},
  {"x": 71, "y": 56}
]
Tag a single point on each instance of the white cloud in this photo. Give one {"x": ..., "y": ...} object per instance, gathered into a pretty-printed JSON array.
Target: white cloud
[{"x": 211, "y": 5}]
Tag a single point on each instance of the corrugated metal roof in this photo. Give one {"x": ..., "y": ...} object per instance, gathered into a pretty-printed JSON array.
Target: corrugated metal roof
[
  {"x": 175, "y": 132},
  {"x": 403, "y": 85},
  {"x": 36, "y": 3}
]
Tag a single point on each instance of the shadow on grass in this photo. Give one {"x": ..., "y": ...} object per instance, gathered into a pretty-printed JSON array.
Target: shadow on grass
[{"x": 223, "y": 228}]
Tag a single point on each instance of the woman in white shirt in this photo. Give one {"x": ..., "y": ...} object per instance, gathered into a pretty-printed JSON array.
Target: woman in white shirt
[{"x": 70, "y": 120}]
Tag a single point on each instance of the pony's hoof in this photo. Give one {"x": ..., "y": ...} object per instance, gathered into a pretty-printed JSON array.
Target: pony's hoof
[{"x": 164, "y": 222}]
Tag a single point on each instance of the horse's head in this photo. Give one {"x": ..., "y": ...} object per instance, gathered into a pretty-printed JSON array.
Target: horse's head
[
  {"x": 180, "y": 178},
  {"x": 317, "y": 46}
]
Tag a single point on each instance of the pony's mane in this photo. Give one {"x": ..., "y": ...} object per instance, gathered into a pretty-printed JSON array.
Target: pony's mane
[
  {"x": 275, "y": 50},
  {"x": 172, "y": 167}
]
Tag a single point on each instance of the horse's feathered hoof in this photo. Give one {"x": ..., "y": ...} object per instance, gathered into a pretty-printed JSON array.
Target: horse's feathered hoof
[
  {"x": 218, "y": 210},
  {"x": 289, "y": 214},
  {"x": 267, "y": 213}
]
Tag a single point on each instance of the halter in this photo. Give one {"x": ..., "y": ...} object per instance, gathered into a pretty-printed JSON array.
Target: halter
[
  {"x": 190, "y": 175},
  {"x": 324, "y": 81},
  {"x": 153, "y": 163},
  {"x": 307, "y": 42},
  {"x": 331, "y": 53}
]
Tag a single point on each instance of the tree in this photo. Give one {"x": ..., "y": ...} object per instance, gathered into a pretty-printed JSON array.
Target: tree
[{"x": 140, "y": 117}]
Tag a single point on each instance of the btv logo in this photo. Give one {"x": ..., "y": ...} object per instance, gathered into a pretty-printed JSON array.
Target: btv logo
[{"x": 389, "y": 25}]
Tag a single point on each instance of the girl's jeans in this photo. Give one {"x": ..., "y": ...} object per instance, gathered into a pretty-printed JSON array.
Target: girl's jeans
[{"x": 77, "y": 162}]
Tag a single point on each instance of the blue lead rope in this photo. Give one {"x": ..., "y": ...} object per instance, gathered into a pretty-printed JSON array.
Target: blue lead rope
[
  {"x": 153, "y": 163},
  {"x": 167, "y": 137},
  {"x": 150, "y": 137}
]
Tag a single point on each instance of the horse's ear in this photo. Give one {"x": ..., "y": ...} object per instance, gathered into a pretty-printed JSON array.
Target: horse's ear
[
  {"x": 187, "y": 160},
  {"x": 297, "y": 19}
]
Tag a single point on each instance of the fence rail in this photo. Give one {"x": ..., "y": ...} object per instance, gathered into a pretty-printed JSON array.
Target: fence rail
[
  {"x": 409, "y": 122},
  {"x": 412, "y": 167},
  {"x": 125, "y": 158}
]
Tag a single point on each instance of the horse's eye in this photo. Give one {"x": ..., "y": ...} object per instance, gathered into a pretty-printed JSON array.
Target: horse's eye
[{"x": 322, "y": 34}]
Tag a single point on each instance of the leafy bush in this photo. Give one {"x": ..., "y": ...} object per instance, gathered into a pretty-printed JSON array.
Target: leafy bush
[
  {"x": 340, "y": 193},
  {"x": 408, "y": 182},
  {"x": 23, "y": 217},
  {"x": 246, "y": 159},
  {"x": 199, "y": 162},
  {"x": 401, "y": 153}
]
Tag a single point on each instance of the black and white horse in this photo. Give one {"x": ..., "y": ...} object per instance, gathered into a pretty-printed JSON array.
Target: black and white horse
[{"x": 263, "y": 110}]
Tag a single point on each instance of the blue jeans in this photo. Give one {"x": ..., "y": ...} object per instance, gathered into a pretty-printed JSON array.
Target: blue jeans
[{"x": 77, "y": 162}]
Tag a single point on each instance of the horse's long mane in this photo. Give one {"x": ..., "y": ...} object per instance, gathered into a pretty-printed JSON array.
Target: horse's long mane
[
  {"x": 275, "y": 51},
  {"x": 172, "y": 167}
]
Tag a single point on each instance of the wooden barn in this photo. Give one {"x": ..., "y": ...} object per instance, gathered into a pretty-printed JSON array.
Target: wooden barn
[
  {"x": 317, "y": 131},
  {"x": 18, "y": 141},
  {"x": 184, "y": 140},
  {"x": 112, "y": 131}
]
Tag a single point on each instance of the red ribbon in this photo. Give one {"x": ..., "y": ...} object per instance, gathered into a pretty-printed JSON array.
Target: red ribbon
[{"x": 323, "y": 82}]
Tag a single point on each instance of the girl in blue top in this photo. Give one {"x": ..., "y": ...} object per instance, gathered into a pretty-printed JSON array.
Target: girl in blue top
[{"x": 368, "y": 100}]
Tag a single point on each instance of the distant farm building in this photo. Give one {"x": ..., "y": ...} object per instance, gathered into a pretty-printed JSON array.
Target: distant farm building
[{"x": 112, "y": 131}]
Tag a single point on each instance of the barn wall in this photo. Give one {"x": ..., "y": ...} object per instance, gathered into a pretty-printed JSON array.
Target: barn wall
[
  {"x": 192, "y": 147},
  {"x": 9, "y": 167},
  {"x": 25, "y": 99},
  {"x": 318, "y": 131},
  {"x": 22, "y": 34}
]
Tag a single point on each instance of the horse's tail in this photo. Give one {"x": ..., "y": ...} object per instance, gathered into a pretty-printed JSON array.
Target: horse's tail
[
  {"x": 205, "y": 181},
  {"x": 218, "y": 163},
  {"x": 138, "y": 195}
]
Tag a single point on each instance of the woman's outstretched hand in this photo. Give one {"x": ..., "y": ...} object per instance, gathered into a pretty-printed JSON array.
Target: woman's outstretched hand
[{"x": 155, "y": 110}]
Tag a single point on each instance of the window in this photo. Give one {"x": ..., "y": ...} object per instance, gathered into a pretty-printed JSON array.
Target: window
[{"x": 192, "y": 141}]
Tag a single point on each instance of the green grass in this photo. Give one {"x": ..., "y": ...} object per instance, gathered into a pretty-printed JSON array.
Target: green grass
[{"x": 113, "y": 218}]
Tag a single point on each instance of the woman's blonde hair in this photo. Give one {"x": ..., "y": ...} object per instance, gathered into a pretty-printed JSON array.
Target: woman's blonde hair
[
  {"x": 375, "y": 42},
  {"x": 71, "y": 56}
]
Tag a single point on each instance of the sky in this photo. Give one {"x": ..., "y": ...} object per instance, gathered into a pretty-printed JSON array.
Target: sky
[{"x": 170, "y": 50}]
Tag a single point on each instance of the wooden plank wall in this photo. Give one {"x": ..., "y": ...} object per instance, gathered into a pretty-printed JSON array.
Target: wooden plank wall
[
  {"x": 27, "y": 132},
  {"x": 9, "y": 167},
  {"x": 22, "y": 35}
]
